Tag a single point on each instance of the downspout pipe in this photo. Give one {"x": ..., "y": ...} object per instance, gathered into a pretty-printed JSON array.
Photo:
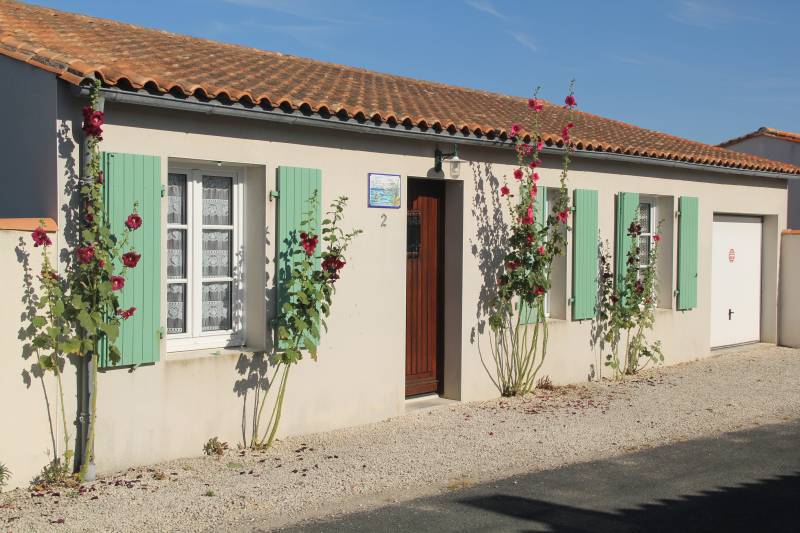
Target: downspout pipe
[
  {"x": 88, "y": 386},
  {"x": 168, "y": 101}
]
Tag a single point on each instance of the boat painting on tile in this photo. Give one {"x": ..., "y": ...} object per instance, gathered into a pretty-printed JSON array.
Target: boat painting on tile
[{"x": 384, "y": 190}]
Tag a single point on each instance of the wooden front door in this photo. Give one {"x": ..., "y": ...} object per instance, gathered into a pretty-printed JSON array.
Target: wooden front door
[{"x": 424, "y": 286}]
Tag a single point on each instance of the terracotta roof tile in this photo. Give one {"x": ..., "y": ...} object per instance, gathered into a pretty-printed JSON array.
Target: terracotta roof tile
[
  {"x": 765, "y": 132},
  {"x": 76, "y": 47}
]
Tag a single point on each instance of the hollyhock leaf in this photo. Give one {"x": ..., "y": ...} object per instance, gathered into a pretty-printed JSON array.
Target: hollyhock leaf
[{"x": 38, "y": 321}]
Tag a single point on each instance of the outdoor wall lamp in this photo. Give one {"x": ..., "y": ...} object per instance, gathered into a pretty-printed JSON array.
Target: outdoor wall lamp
[{"x": 452, "y": 158}]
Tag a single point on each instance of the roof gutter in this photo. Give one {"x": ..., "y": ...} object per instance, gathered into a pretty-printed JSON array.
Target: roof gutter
[{"x": 214, "y": 107}]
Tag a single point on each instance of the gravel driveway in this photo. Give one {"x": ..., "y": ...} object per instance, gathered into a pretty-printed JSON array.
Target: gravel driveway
[{"x": 427, "y": 451}]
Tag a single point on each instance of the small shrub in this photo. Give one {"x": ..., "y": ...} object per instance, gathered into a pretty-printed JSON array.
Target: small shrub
[
  {"x": 215, "y": 447},
  {"x": 5, "y": 475},
  {"x": 545, "y": 383},
  {"x": 54, "y": 474}
]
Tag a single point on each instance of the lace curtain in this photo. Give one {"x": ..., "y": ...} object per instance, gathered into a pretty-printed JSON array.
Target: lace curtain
[
  {"x": 217, "y": 306},
  {"x": 176, "y": 308},
  {"x": 217, "y": 196}
]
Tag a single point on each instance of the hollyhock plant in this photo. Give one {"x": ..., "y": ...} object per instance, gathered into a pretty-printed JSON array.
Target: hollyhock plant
[
  {"x": 534, "y": 239},
  {"x": 134, "y": 221},
  {"x": 307, "y": 299},
  {"x": 515, "y": 130},
  {"x": 626, "y": 311},
  {"x": 78, "y": 315},
  {"x": 131, "y": 259}
]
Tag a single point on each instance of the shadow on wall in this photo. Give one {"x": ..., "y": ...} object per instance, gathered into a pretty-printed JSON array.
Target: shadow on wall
[
  {"x": 30, "y": 300},
  {"x": 488, "y": 243},
  {"x": 763, "y": 505}
]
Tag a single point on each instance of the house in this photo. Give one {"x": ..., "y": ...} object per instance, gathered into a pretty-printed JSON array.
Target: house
[
  {"x": 236, "y": 133},
  {"x": 778, "y": 146}
]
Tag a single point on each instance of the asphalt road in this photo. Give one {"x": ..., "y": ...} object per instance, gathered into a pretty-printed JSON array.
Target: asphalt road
[{"x": 743, "y": 481}]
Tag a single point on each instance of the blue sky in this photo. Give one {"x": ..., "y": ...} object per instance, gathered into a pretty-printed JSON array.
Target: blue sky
[{"x": 703, "y": 69}]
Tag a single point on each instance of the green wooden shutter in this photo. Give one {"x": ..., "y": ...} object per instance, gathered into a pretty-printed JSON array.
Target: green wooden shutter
[
  {"x": 539, "y": 221},
  {"x": 584, "y": 255},
  {"x": 295, "y": 187},
  {"x": 688, "y": 223},
  {"x": 137, "y": 178},
  {"x": 627, "y": 212}
]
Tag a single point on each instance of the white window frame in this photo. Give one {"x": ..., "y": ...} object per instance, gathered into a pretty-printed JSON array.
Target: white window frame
[
  {"x": 649, "y": 231},
  {"x": 194, "y": 337}
]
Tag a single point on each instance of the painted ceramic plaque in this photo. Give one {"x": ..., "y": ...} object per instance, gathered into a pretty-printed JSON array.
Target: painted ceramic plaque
[{"x": 384, "y": 190}]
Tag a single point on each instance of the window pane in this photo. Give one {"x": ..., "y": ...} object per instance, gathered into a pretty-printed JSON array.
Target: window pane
[
  {"x": 217, "y": 253},
  {"x": 644, "y": 216},
  {"x": 176, "y": 193},
  {"x": 176, "y": 308},
  {"x": 176, "y": 253},
  {"x": 217, "y": 306},
  {"x": 644, "y": 250},
  {"x": 217, "y": 197}
]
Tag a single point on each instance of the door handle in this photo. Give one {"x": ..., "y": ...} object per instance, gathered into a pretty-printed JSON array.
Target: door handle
[{"x": 730, "y": 313}]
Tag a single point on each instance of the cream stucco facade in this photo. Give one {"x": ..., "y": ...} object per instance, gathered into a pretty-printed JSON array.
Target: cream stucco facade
[{"x": 169, "y": 409}]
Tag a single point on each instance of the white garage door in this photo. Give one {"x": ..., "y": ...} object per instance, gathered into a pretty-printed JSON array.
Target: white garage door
[{"x": 735, "y": 280}]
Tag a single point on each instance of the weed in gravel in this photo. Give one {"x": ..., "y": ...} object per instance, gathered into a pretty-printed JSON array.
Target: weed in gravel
[
  {"x": 54, "y": 474},
  {"x": 235, "y": 466},
  {"x": 215, "y": 447},
  {"x": 158, "y": 475},
  {"x": 5, "y": 475},
  {"x": 545, "y": 383},
  {"x": 209, "y": 493}
]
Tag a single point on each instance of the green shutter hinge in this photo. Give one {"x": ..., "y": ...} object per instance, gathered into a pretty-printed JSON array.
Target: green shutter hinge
[
  {"x": 163, "y": 191},
  {"x": 274, "y": 194},
  {"x": 161, "y": 332}
]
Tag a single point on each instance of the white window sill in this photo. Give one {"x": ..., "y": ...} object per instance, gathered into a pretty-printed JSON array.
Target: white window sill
[{"x": 211, "y": 352}]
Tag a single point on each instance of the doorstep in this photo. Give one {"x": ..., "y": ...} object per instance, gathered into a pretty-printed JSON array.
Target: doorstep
[{"x": 427, "y": 402}]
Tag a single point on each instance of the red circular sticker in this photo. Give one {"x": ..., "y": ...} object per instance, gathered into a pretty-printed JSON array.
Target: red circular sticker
[{"x": 731, "y": 255}]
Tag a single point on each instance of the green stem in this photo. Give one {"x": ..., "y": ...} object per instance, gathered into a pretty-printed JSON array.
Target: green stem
[{"x": 279, "y": 406}]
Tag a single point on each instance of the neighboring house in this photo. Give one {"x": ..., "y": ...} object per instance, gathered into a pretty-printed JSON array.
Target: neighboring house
[
  {"x": 778, "y": 146},
  {"x": 219, "y": 128}
]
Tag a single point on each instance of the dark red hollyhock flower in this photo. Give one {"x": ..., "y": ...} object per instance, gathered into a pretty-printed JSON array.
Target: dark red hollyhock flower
[
  {"x": 504, "y": 191},
  {"x": 125, "y": 314},
  {"x": 117, "y": 282},
  {"x": 89, "y": 218},
  {"x": 513, "y": 264},
  {"x": 92, "y": 122},
  {"x": 131, "y": 259},
  {"x": 529, "y": 238},
  {"x": 570, "y": 101},
  {"x": 535, "y": 104},
  {"x": 85, "y": 253},
  {"x": 518, "y": 173},
  {"x": 656, "y": 237},
  {"x": 309, "y": 243},
  {"x": 134, "y": 221},
  {"x": 101, "y": 263},
  {"x": 639, "y": 286},
  {"x": 40, "y": 238},
  {"x": 332, "y": 265},
  {"x": 502, "y": 280},
  {"x": 538, "y": 291},
  {"x": 101, "y": 177}
]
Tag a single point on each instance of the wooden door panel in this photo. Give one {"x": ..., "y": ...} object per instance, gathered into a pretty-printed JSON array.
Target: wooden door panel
[{"x": 424, "y": 261}]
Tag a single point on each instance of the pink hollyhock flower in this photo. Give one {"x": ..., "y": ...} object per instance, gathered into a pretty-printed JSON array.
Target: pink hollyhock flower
[
  {"x": 528, "y": 218},
  {"x": 657, "y": 237},
  {"x": 126, "y": 313},
  {"x": 534, "y": 190},
  {"x": 535, "y": 163},
  {"x": 134, "y": 221},
  {"x": 40, "y": 238},
  {"x": 504, "y": 191},
  {"x": 131, "y": 259},
  {"x": 518, "y": 173},
  {"x": 529, "y": 238},
  {"x": 535, "y": 104},
  {"x": 539, "y": 146},
  {"x": 570, "y": 101},
  {"x": 515, "y": 129},
  {"x": 563, "y": 215},
  {"x": 540, "y": 250},
  {"x": 117, "y": 282},
  {"x": 85, "y": 253},
  {"x": 513, "y": 265},
  {"x": 535, "y": 177},
  {"x": 565, "y": 134}
]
